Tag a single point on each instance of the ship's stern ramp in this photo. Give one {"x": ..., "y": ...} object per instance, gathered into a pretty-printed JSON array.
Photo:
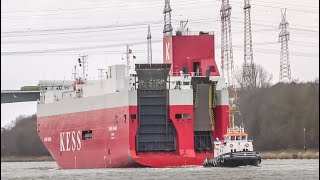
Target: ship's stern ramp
[
  {"x": 204, "y": 95},
  {"x": 155, "y": 131}
]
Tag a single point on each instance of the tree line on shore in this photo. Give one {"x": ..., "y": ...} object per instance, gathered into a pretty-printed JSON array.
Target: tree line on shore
[
  {"x": 20, "y": 138},
  {"x": 275, "y": 117},
  {"x": 280, "y": 116}
]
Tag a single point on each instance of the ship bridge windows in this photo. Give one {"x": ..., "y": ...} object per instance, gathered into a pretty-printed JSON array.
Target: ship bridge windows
[
  {"x": 182, "y": 116},
  {"x": 235, "y": 138},
  {"x": 87, "y": 134}
]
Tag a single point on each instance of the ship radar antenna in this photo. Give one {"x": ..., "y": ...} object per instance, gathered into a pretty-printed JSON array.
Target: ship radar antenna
[
  {"x": 75, "y": 72},
  {"x": 128, "y": 52},
  {"x": 183, "y": 29},
  {"x": 183, "y": 23},
  {"x": 83, "y": 62}
]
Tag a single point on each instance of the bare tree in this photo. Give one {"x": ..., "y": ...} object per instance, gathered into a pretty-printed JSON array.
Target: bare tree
[
  {"x": 260, "y": 78},
  {"x": 263, "y": 77}
]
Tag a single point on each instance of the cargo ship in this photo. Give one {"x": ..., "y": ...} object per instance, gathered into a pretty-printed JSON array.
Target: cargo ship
[{"x": 140, "y": 115}]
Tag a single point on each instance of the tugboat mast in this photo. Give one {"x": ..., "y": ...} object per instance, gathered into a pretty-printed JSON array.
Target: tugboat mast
[{"x": 232, "y": 110}]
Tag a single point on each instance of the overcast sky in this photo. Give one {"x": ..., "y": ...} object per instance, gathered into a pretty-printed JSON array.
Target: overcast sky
[{"x": 42, "y": 39}]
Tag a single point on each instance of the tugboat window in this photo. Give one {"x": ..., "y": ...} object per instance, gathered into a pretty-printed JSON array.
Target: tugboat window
[
  {"x": 232, "y": 138},
  {"x": 238, "y": 137},
  {"x": 243, "y": 137}
]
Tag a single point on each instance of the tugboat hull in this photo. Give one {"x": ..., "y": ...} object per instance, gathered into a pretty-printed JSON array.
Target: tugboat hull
[{"x": 234, "y": 159}]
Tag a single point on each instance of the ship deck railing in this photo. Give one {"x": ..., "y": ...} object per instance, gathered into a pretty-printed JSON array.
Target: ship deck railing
[
  {"x": 186, "y": 32},
  {"x": 235, "y": 130},
  {"x": 186, "y": 75}
]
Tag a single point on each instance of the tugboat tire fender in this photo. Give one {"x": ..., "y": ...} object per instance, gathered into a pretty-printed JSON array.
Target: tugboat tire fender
[{"x": 222, "y": 160}]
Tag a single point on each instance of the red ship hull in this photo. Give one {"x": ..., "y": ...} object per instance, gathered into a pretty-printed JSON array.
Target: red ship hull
[{"x": 114, "y": 147}]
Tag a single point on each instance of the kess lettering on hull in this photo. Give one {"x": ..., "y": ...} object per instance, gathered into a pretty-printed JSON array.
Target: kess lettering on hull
[{"x": 70, "y": 141}]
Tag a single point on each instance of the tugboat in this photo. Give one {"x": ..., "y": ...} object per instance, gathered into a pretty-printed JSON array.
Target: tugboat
[{"x": 235, "y": 150}]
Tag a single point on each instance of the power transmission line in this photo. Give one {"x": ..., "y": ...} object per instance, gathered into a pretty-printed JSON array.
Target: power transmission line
[
  {"x": 289, "y": 4},
  {"x": 118, "y": 7},
  {"x": 148, "y": 5},
  {"x": 68, "y": 49},
  {"x": 135, "y": 25},
  {"x": 277, "y": 7},
  {"x": 81, "y": 30}
]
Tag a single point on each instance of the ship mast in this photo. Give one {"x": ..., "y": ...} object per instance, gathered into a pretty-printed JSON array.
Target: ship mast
[
  {"x": 233, "y": 98},
  {"x": 75, "y": 73},
  {"x": 232, "y": 110},
  {"x": 83, "y": 61},
  {"x": 128, "y": 60}
]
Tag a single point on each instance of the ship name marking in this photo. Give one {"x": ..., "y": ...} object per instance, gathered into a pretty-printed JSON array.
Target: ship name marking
[
  {"x": 113, "y": 128},
  {"x": 167, "y": 51},
  {"x": 47, "y": 139},
  {"x": 70, "y": 141}
]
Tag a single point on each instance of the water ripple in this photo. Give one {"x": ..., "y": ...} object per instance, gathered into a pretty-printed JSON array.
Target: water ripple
[{"x": 269, "y": 169}]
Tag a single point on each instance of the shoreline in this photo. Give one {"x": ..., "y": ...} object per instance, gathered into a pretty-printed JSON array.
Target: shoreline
[
  {"x": 289, "y": 154},
  {"x": 26, "y": 158}
]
